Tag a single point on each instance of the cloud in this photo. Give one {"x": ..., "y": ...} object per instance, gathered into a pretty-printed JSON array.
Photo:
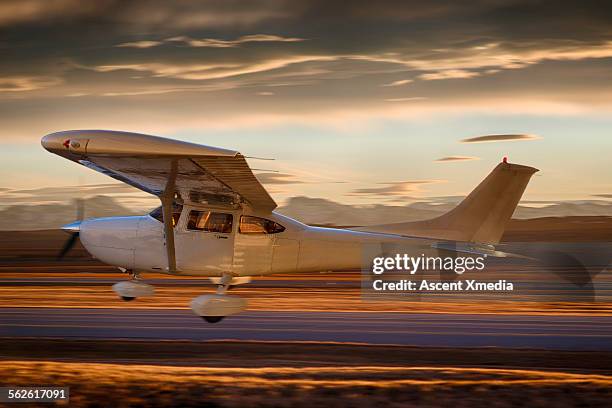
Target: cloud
[
  {"x": 407, "y": 99},
  {"x": 221, "y": 60},
  {"x": 161, "y": 90},
  {"x": 213, "y": 48},
  {"x": 27, "y": 83},
  {"x": 499, "y": 138},
  {"x": 210, "y": 42},
  {"x": 140, "y": 44},
  {"x": 267, "y": 38},
  {"x": 463, "y": 61},
  {"x": 399, "y": 83},
  {"x": 394, "y": 189},
  {"x": 270, "y": 178},
  {"x": 212, "y": 70},
  {"x": 216, "y": 43},
  {"x": 455, "y": 158},
  {"x": 449, "y": 74}
]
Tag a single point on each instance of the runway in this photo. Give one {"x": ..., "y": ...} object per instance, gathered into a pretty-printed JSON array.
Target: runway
[{"x": 446, "y": 330}]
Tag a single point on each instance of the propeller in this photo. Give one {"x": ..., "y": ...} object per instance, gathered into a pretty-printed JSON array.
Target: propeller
[{"x": 73, "y": 229}]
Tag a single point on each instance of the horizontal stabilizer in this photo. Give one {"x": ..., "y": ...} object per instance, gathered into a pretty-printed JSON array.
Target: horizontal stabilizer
[{"x": 482, "y": 250}]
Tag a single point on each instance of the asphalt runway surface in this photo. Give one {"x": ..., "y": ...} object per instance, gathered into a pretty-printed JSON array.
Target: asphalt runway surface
[{"x": 450, "y": 330}]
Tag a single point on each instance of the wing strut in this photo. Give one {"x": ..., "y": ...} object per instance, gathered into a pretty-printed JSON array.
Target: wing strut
[{"x": 167, "y": 200}]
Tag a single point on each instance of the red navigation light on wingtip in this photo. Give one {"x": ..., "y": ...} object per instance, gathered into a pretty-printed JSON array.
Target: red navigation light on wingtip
[
  {"x": 505, "y": 159},
  {"x": 66, "y": 143}
]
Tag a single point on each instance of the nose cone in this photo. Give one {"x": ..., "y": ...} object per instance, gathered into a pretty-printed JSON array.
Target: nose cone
[{"x": 72, "y": 227}]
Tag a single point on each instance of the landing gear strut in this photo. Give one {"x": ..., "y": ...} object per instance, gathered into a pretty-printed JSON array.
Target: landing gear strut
[{"x": 225, "y": 284}]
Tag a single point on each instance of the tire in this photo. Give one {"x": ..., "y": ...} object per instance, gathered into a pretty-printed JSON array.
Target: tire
[{"x": 213, "y": 319}]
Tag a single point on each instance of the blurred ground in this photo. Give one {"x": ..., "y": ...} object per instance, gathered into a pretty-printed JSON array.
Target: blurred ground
[
  {"x": 237, "y": 374},
  {"x": 121, "y": 385}
]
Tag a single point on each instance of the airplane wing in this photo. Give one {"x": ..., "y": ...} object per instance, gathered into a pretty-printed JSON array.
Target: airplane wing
[{"x": 195, "y": 173}]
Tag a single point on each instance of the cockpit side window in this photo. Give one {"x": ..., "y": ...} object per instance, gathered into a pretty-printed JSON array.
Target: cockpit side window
[
  {"x": 209, "y": 221},
  {"x": 257, "y": 225},
  {"x": 158, "y": 213}
]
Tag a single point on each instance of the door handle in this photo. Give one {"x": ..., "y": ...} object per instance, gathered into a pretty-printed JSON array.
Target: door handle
[{"x": 221, "y": 237}]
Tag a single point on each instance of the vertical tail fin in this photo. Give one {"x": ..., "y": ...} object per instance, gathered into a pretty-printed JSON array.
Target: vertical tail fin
[{"x": 481, "y": 217}]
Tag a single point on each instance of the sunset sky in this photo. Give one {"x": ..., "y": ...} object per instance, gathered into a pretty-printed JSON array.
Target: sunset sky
[{"x": 358, "y": 102}]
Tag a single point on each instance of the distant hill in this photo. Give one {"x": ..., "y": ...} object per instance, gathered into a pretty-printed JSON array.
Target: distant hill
[
  {"x": 316, "y": 211},
  {"x": 566, "y": 209},
  {"x": 325, "y": 212},
  {"x": 52, "y": 216}
]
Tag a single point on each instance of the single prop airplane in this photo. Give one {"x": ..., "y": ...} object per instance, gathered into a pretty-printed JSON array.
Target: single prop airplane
[{"x": 217, "y": 220}]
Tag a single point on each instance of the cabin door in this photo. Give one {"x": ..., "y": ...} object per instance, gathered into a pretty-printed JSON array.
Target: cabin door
[
  {"x": 253, "y": 246},
  {"x": 205, "y": 241}
]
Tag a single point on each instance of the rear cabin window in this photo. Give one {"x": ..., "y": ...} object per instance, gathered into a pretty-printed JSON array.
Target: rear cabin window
[
  {"x": 209, "y": 221},
  {"x": 158, "y": 213},
  {"x": 257, "y": 225}
]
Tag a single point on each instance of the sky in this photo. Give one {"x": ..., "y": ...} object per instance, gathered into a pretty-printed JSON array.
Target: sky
[{"x": 360, "y": 102}]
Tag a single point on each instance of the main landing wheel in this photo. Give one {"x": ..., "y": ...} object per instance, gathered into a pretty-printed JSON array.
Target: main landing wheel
[
  {"x": 127, "y": 298},
  {"x": 213, "y": 319}
]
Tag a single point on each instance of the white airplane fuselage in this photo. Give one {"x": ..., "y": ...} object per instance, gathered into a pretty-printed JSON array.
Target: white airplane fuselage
[{"x": 137, "y": 243}]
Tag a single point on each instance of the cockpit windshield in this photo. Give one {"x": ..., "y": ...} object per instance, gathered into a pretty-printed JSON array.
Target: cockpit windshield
[
  {"x": 257, "y": 225},
  {"x": 158, "y": 214}
]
